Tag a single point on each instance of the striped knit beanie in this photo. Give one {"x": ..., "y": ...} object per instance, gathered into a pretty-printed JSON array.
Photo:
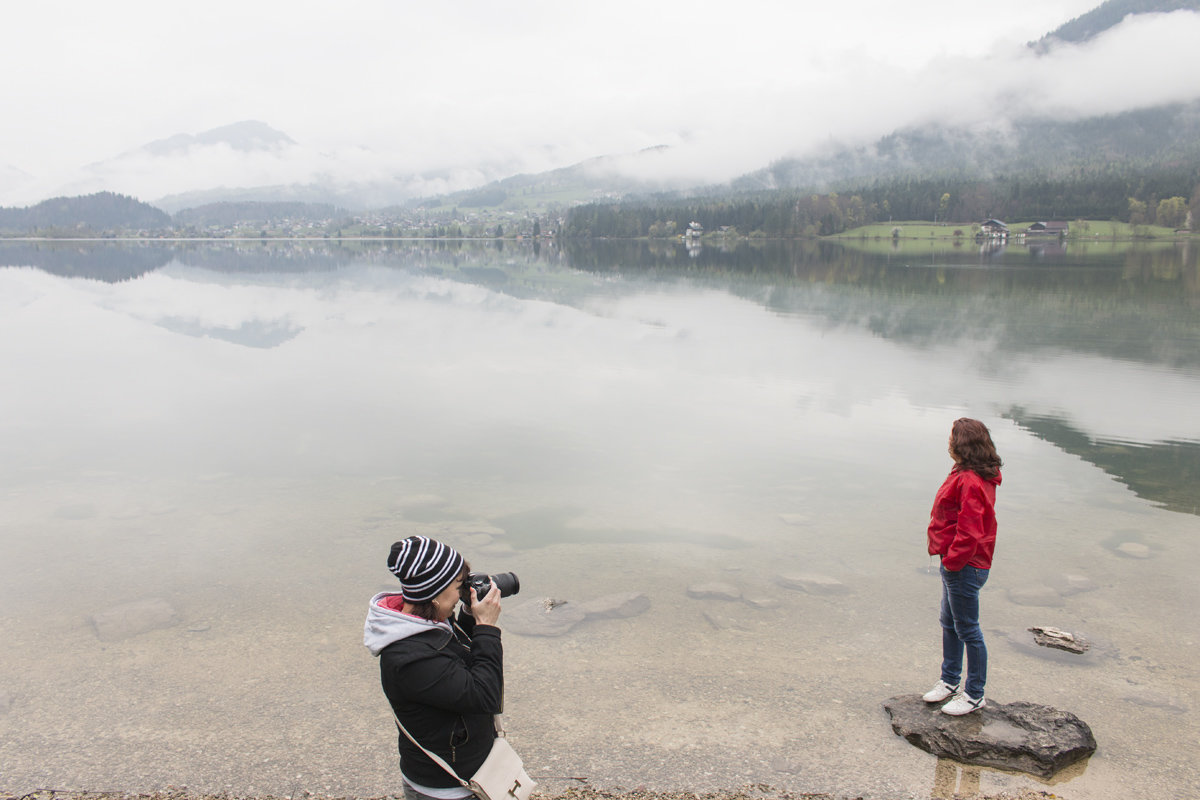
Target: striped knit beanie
[{"x": 424, "y": 566}]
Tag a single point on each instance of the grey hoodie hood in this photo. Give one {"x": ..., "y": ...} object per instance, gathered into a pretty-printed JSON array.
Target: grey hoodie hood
[{"x": 384, "y": 626}]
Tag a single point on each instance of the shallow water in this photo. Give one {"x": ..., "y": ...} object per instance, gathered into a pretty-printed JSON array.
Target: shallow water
[{"x": 242, "y": 430}]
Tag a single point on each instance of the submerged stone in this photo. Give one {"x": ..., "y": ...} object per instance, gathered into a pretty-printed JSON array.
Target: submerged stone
[
  {"x": 714, "y": 591},
  {"x": 1026, "y": 737},
  {"x": 617, "y": 606},
  {"x": 1149, "y": 698},
  {"x": 543, "y": 616},
  {"x": 1075, "y": 584},
  {"x": 812, "y": 583},
  {"x": 728, "y": 618},
  {"x": 1133, "y": 550},
  {"x": 761, "y": 601},
  {"x": 132, "y": 619}
]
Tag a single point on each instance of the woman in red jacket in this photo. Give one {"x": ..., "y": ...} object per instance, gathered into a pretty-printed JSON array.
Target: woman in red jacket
[{"x": 962, "y": 530}]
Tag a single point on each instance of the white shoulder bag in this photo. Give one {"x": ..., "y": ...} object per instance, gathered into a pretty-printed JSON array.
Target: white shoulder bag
[{"x": 502, "y": 776}]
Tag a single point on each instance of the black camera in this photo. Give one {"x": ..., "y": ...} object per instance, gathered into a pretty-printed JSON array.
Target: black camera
[{"x": 481, "y": 582}]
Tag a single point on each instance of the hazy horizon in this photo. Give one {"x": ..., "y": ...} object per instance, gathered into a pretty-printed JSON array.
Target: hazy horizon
[{"x": 430, "y": 99}]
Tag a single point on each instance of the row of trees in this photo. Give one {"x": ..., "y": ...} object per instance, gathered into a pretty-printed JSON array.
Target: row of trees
[{"x": 1163, "y": 198}]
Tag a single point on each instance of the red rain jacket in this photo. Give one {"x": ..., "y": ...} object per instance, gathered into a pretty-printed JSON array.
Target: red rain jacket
[{"x": 962, "y": 524}]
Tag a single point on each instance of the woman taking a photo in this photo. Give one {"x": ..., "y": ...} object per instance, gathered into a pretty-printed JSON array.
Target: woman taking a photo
[
  {"x": 444, "y": 677},
  {"x": 962, "y": 531}
]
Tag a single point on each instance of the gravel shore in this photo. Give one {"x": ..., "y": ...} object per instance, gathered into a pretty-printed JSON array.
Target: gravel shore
[{"x": 757, "y": 792}]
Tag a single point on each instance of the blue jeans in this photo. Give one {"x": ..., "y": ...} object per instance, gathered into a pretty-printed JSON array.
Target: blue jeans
[{"x": 960, "y": 628}]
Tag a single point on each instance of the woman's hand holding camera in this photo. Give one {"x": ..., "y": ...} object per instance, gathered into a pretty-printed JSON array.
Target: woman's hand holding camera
[{"x": 486, "y": 610}]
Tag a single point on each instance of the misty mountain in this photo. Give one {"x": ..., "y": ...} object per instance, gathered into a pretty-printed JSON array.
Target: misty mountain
[
  {"x": 1150, "y": 138},
  {"x": 1106, "y": 15},
  {"x": 246, "y": 136},
  {"x": 593, "y": 179},
  {"x": 103, "y": 211},
  {"x": 300, "y": 194}
]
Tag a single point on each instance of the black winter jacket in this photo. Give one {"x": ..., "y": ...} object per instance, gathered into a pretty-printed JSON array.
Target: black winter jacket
[{"x": 445, "y": 687}]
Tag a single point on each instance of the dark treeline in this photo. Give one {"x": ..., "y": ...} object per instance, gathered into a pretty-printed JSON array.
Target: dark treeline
[
  {"x": 1160, "y": 196},
  {"x": 1110, "y": 13},
  {"x": 95, "y": 213}
]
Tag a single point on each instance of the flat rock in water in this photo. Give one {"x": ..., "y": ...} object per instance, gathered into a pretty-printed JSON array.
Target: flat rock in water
[
  {"x": 1043, "y": 596},
  {"x": 1021, "y": 736},
  {"x": 1022, "y": 640},
  {"x": 714, "y": 591},
  {"x": 1045, "y": 636},
  {"x": 617, "y": 606},
  {"x": 1075, "y": 584},
  {"x": 812, "y": 583},
  {"x": 762, "y": 601},
  {"x": 132, "y": 619},
  {"x": 543, "y": 616},
  {"x": 728, "y": 618},
  {"x": 1133, "y": 550},
  {"x": 1149, "y": 698}
]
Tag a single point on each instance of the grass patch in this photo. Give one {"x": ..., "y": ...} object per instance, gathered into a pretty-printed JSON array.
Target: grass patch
[{"x": 1079, "y": 229}]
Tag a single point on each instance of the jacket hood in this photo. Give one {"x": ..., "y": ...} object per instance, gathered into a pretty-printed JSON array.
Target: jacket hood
[{"x": 385, "y": 626}]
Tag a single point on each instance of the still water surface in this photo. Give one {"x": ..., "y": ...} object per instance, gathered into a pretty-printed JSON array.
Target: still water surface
[{"x": 239, "y": 431}]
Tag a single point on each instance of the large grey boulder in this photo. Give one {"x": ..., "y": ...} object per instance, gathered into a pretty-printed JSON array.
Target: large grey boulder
[
  {"x": 132, "y": 619},
  {"x": 1019, "y": 736}
]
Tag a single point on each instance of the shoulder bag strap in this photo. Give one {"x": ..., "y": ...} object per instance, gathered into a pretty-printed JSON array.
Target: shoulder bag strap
[{"x": 434, "y": 757}]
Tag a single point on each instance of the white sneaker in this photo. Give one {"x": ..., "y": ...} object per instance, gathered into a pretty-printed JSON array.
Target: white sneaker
[
  {"x": 963, "y": 703},
  {"x": 939, "y": 693}
]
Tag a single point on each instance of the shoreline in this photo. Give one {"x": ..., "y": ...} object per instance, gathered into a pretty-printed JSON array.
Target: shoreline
[{"x": 581, "y": 792}]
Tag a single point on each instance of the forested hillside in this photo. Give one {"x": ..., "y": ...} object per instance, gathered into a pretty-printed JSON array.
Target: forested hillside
[
  {"x": 94, "y": 213},
  {"x": 1163, "y": 197},
  {"x": 1141, "y": 167},
  {"x": 1108, "y": 14}
]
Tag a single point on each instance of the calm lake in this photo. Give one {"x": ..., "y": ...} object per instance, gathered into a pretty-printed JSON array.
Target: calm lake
[{"x": 232, "y": 434}]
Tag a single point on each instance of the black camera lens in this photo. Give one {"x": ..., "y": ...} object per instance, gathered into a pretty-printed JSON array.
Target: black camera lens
[{"x": 481, "y": 582}]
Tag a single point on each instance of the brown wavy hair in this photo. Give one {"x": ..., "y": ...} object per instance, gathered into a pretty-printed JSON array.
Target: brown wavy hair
[{"x": 971, "y": 448}]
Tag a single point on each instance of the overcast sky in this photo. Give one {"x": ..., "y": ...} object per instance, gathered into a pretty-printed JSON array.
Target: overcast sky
[{"x": 370, "y": 89}]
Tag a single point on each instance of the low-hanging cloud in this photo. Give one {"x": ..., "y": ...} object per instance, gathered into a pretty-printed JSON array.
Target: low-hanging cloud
[{"x": 532, "y": 97}]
